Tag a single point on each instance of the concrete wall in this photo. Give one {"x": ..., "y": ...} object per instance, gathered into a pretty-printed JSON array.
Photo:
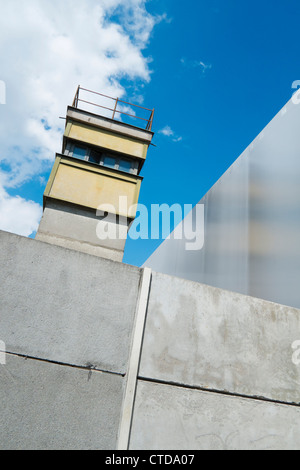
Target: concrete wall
[
  {"x": 216, "y": 371},
  {"x": 202, "y": 336},
  {"x": 171, "y": 418},
  {"x": 97, "y": 356},
  {"x": 73, "y": 315},
  {"x": 50, "y": 406},
  {"x": 79, "y": 229}
]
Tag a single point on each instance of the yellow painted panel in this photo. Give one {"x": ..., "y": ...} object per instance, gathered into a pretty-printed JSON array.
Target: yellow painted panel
[
  {"x": 96, "y": 168},
  {"x": 105, "y": 139},
  {"x": 92, "y": 189}
]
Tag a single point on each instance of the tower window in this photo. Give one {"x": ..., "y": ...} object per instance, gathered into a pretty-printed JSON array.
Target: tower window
[
  {"x": 94, "y": 157},
  {"x": 108, "y": 160},
  {"x": 125, "y": 165},
  {"x": 79, "y": 152}
]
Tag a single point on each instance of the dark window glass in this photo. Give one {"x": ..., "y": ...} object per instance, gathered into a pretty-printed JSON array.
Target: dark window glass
[
  {"x": 79, "y": 152},
  {"x": 94, "y": 157},
  {"x": 109, "y": 161},
  {"x": 125, "y": 165}
]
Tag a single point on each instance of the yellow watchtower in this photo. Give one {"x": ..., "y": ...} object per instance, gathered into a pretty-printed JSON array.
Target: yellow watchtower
[{"x": 95, "y": 182}]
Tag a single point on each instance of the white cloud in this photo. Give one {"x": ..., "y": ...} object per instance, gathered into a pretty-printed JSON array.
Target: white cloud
[
  {"x": 168, "y": 132},
  {"x": 195, "y": 64},
  {"x": 203, "y": 65},
  {"x": 18, "y": 215},
  {"x": 47, "y": 48}
]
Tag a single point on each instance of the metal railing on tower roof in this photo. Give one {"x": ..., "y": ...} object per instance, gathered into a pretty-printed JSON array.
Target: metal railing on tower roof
[{"x": 115, "y": 111}]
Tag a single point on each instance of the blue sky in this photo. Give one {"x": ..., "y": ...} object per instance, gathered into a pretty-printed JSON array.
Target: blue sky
[
  {"x": 216, "y": 73},
  {"x": 250, "y": 49}
]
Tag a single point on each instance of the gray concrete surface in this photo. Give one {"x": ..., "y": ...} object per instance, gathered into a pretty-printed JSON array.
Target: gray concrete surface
[
  {"x": 214, "y": 339},
  {"x": 87, "y": 248},
  {"x": 173, "y": 418},
  {"x": 69, "y": 312},
  {"x": 77, "y": 229},
  {"x": 51, "y": 407},
  {"x": 66, "y": 306}
]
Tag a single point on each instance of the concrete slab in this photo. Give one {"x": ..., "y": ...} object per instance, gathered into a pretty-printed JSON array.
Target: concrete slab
[
  {"x": 50, "y": 407},
  {"x": 214, "y": 339},
  {"x": 172, "y": 418},
  {"x": 66, "y": 306}
]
